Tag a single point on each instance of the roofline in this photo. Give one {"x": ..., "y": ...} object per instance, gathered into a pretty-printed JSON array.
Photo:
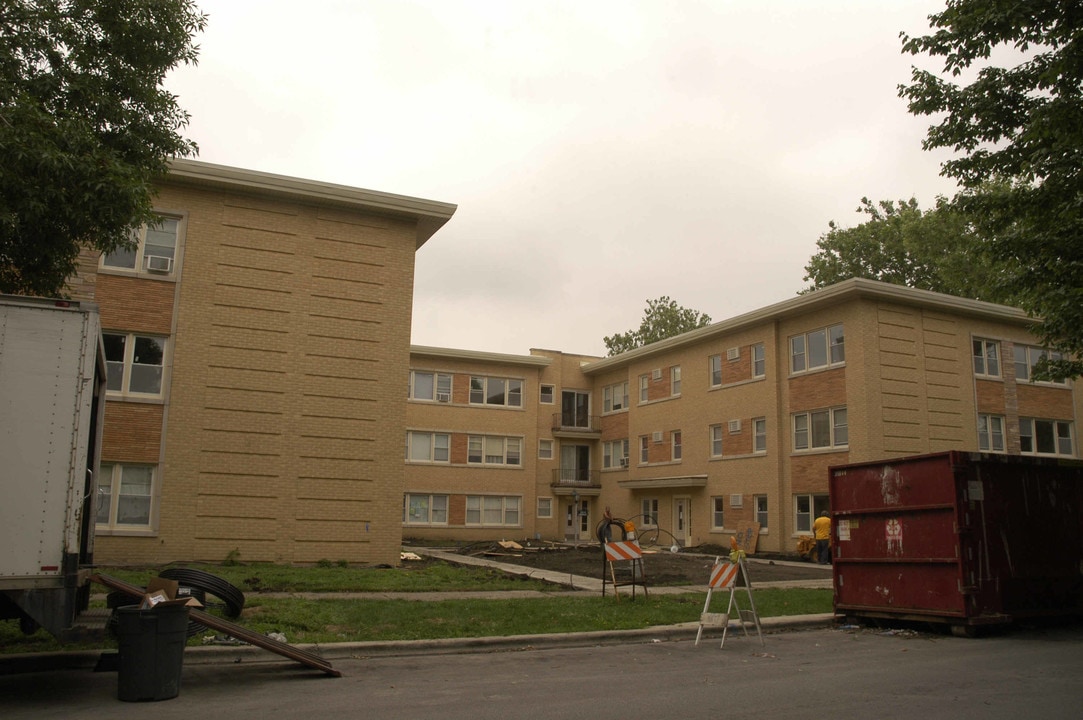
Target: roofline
[
  {"x": 480, "y": 356},
  {"x": 430, "y": 215},
  {"x": 851, "y": 289}
]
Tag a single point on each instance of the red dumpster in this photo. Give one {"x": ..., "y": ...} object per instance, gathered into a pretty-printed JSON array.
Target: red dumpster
[{"x": 961, "y": 538}]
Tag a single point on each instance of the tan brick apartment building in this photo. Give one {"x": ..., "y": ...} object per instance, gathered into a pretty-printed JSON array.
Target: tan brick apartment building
[
  {"x": 265, "y": 399},
  {"x": 257, "y": 342},
  {"x": 729, "y": 424}
]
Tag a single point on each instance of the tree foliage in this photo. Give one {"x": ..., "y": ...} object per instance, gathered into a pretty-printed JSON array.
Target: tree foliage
[
  {"x": 85, "y": 127},
  {"x": 898, "y": 243},
  {"x": 1020, "y": 126},
  {"x": 662, "y": 318}
]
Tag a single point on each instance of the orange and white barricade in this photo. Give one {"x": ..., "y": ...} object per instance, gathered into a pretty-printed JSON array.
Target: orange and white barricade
[
  {"x": 624, "y": 551},
  {"x": 724, "y": 575}
]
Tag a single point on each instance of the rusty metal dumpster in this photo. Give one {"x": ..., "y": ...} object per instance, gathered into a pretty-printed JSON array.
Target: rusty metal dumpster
[{"x": 967, "y": 539}]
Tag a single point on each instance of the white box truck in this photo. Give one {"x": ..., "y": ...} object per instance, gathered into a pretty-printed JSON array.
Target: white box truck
[{"x": 52, "y": 406}]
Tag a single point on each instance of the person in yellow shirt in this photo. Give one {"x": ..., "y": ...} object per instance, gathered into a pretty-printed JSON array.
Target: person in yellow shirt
[{"x": 821, "y": 529}]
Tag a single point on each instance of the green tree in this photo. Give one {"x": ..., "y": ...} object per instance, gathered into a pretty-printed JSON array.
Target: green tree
[
  {"x": 663, "y": 318},
  {"x": 85, "y": 127},
  {"x": 898, "y": 243},
  {"x": 1021, "y": 126}
]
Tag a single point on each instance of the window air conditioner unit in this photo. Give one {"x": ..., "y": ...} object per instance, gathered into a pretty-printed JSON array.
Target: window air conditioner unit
[
  {"x": 737, "y": 500},
  {"x": 158, "y": 263},
  {"x": 733, "y": 353},
  {"x": 624, "y": 462},
  {"x": 735, "y": 426},
  {"x": 657, "y": 436},
  {"x": 656, "y": 374},
  {"x": 443, "y": 397}
]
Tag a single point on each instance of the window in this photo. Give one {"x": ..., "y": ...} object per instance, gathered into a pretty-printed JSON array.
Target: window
[
  {"x": 1045, "y": 437},
  {"x": 545, "y": 507},
  {"x": 644, "y": 448},
  {"x": 545, "y": 396},
  {"x": 820, "y": 348},
  {"x": 493, "y": 510},
  {"x": 676, "y": 435},
  {"x": 155, "y": 252},
  {"x": 1027, "y": 357},
  {"x": 650, "y": 512},
  {"x": 545, "y": 449},
  {"x": 759, "y": 435},
  {"x": 987, "y": 358},
  {"x": 715, "y": 434},
  {"x": 644, "y": 383},
  {"x": 615, "y": 454},
  {"x": 806, "y": 508},
  {"x": 714, "y": 367},
  {"x": 135, "y": 363},
  {"x": 718, "y": 512},
  {"x": 496, "y": 391},
  {"x": 493, "y": 450},
  {"x": 433, "y": 387},
  {"x": 820, "y": 429},
  {"x": 761, "y": 510},
  {"x": 124, "y": 495},
  {"x": 424, "y": 509},
  {"x": 615, "y": 397},
  {"x": 675, "y": 380},
  {"x": 991, "y": 433},
  {"x": 427, "y": 447},
  {"x": 759, "y": 364}
]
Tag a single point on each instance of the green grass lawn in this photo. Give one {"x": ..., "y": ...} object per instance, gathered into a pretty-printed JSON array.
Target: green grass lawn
[{"x": 352, "y": 620}]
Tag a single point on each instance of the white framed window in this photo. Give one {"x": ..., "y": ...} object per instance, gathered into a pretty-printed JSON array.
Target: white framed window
[
  {"x": 718, "y": 513},
  {"x": 125, "y": 495},
  {"x": 615, "y": 454},
  {"x": 615, "y": 397},
  {"x": 135, "y": 363},
  {"x": 991, "y": 433},
  {"x": 494, "y": 450},
  {"x": 759, "y": 361},
  {"x": 649, "y": 508},
  {"x": 493, "y": 510},
  {"x": 424, "y": 509},
  {"x": 1027, "y": 357},
  {"x": 820, "y": 429},
  {"x": 807, "y": 508},
  {"x": 678, "y": 450},
  {"x": 761, "y": 510},
  {"x": 545, "y": 507},
  {"x": 759, "y": 435},
  {"x": 545, "y": 449},
  {"x": 644, "y": 384},
  {"x": 714, "y": 433},
  {"x": 496, "y": 391},
  {"x": 1046, "y": 437},
  {"x": 675, "y": 380},
  {"x": 546, "y": 394},
  {"x": 155, "y": 251},
  {"x": 714, "y": 369},
  {"x": 986, "y": 357},
  {"x": 428, "y": 447},
  {"x": 644, "y": 449},
  {"x": 820, "y": 348},
  {"x": 430, "y": 386}
]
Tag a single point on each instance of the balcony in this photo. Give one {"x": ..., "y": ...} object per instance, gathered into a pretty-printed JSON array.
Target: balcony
[
  {"x": 571, "y": 424},
  {"x": 573, "y": 478}
]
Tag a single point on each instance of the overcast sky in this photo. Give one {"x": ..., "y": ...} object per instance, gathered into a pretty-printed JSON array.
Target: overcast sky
[{"x": 600, "y": 153}]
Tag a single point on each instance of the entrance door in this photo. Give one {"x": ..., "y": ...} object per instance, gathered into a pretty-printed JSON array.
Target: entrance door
[
  {"x": 682, "y": 520},
  {"x": 577, "y": 520}
]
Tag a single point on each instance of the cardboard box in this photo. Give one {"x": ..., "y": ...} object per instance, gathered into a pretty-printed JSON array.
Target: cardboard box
[{"x": 163, "y": 592}]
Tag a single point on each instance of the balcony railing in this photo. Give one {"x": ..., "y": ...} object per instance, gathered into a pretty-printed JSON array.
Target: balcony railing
[
  {"x": 573, "y": 477},
  {"x": 576, "y": 422}
]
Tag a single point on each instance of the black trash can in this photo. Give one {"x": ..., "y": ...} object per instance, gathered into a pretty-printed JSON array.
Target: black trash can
[{"x": 151, "y": 644}]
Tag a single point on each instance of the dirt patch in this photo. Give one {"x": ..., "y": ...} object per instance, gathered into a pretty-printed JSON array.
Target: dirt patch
[{"x": 661, "y": 567}]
